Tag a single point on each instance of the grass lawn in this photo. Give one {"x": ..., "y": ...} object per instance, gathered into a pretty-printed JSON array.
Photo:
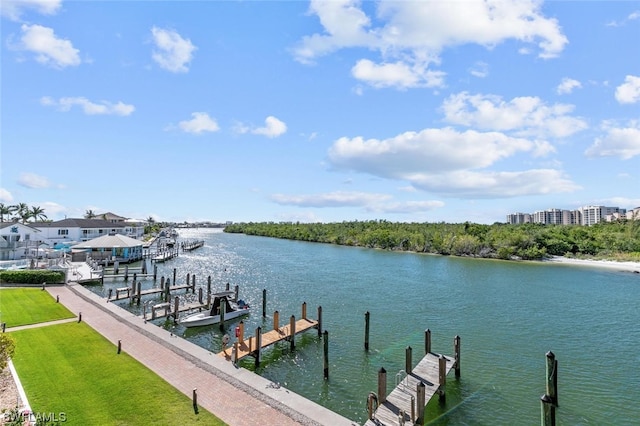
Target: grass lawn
[
  {"x": 70, "y": 368},
  {"x": 22, "y": 306}
]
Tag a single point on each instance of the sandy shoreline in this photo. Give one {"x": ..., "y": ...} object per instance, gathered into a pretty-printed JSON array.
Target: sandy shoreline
[{"x": 608, "y": 264}]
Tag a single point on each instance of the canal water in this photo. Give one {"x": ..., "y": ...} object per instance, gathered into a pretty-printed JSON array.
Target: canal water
[{"x": 508, "y": 315}]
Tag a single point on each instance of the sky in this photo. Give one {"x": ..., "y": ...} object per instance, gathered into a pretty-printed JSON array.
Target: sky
[{"x": 320, "y": 111}]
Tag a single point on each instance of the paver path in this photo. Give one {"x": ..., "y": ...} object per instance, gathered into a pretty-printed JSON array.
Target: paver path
[{"x": 235, "y": 395}]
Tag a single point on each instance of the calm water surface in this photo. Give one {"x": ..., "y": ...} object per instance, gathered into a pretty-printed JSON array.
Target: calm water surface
[{"x": 508, "y": 316}]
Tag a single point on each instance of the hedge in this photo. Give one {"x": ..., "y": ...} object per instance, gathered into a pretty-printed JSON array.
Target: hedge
[{"x": 31, "y": 276}]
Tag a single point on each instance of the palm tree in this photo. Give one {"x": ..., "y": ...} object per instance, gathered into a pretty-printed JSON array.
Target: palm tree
[
  {"x": 5, "y": 211},
  {"x": 89, "y": 214},
  {"x": 151, "y": 220},
  {"x": 22, "y": 211},
  {"x": 37, "y": 213}
]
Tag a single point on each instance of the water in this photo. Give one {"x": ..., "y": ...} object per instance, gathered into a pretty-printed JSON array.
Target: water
[{"x": 508, "y": 316}]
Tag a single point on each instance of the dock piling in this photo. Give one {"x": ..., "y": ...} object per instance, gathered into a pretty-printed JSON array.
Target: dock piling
[
  {"x": 442, "y": 375},
  {"x": 326, "y": 355},
  {"x": 366, "y": 330},
  {"x": 427, "y": 341},
  {"x": 456, "y": 354},
  {"x": 304, "y": 310},
  {"x": 407, "y": 360},
  {"x": 223, "y": 309},
  {"x": 258, "y": 346},
  {"x": 264, "y": 303},
  {"x": 382, "y": 385},
  {"x": 552, "y": 377},
  {"x": 292, "y": 328},
  {"x": 195, "y": 400},
  {"x": 119, "y": 346},
  {"x": 319, "y": 321},
  {"x": 276, "y": 320},
  {"x": 421, "y": 393}
]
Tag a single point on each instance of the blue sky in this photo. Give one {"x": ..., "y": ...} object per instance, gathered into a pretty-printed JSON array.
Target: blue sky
[{"x": 319, "y": 111}]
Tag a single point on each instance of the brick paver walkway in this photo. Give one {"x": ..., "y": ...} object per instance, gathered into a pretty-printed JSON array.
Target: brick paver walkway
[{"x": 235, "y": 395}]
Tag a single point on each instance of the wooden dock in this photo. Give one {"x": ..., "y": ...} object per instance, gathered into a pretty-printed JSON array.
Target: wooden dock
[
  {"x": 414, "y": 388},
  {"x": 254, "y": 345}
]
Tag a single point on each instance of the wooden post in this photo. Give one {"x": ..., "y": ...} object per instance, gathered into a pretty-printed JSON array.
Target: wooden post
[
  {"x": 413, "y": 409},
  {"x": 237, "y": 290},
  {"x": 366, "y": 330},
  {"x": 116, "y": 267},
  {"x": 227, "y": 287},
  {"x": 276, "y": 320},
  {"x": 372, "y": 396},
  {"x": 258, "y": 345},
  {"x": 139, "y": 292},
  {"x": 326, "y": 355},
  {"x": 143, "y": 271},
  {"x": 304, "y": 310},
  {"x": 209, "y": 284},
  {"x": 188, "y": 279},
  {"x": 552, "y": 377},
  {"x": 382, "y": 385},
  {"x": 193, "y": 283},
  {"x": 176, "y": 308},
  {"x": 241, "y": 331},
  {"x": 209, "y": 301},
  {"x": 427, "y": 341},
  {"x": 408, "y": 364},
  {"x": 58, "y": 297},
  {"x": 292, "y": 327},
  {"x": 319, "y": 321},
  {"x": 200, "y": 295},
  {"x": 456, "y": 351},
  {"x": 548, "y": 411},
  {"x": 195, "y": 400},
  {"x": 80, "y": 317},
  {"x": 155, "y": 271},
  {"x": 421, "y": 392},
  {"x": 126, "y": 272},
  {"x": 4, "y": 326},
  {"x": 144, "y": 312},
  {"x": 223, "y": 310},
  {"x": 110, "y": 293},
  {"x": 442, "y": 376},
  {"x": 135, "y": 277},
  {"x": 234, "y": 357},
  {"x": 119, "y": 346},
  {"x": 174, "y": 275},
  {"x": 161, "y": 279},
  {"x": 264, "y": 303}
]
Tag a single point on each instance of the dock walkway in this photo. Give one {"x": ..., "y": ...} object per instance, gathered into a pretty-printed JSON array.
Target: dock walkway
[{"x": 404, "y": 398}]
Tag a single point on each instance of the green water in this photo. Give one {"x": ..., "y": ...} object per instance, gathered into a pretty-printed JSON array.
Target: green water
[{"x": 507, "y": 314}]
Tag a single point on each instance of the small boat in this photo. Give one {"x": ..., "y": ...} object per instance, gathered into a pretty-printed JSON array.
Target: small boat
[{"x": 232, "y": 310}]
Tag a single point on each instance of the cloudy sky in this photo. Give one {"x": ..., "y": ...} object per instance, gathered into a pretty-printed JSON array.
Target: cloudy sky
[{"x": 319, "y": 111}]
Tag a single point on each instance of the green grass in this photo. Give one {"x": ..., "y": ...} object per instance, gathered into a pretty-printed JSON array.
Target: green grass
[
  {"x": 69, "y": 368},
  {"x": 22, "y": 306}
]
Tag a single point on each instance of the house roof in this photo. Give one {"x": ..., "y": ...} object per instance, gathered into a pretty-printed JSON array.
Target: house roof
[
  {"x": 79, "y": 223},
  {"x": 109, "y": 241},
  {"x": 27, "y": 225}
]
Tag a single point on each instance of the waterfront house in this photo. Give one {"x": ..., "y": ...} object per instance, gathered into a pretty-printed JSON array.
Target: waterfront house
[
  {"x": 116, "y": 247},
  {"x": 16, "y": 240},
  {"x": 76, "y": 230}
]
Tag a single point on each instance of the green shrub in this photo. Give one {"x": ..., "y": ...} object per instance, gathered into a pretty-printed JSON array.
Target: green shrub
[{"x": 30, "y": 276}]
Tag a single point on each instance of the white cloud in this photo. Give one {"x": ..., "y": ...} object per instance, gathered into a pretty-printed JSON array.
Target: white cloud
[
  {"x": 13, "y": 9},
  {"x": 480, "y": 70},
  {"x": 273, "y": 128},
  {"x": 525, "y": 115},
  {"x": 172, "y": 52},
  {"x": 567, "y": 85},
  {"x": 623, "y": 142},
  {"x": 623, "y": 202},
  {"x": 331, "y": 199},
  {"x": 449, "y": 162},
  {"x": 5, "y": 196},
  {"x": 32, "y": 180},
  {"x": 399, "y": 74},
  {"x": 629, "y": 91},
  {"x": 201, "y": 122},
  {"x": 48, "y": 48},
  {"x": 411, "y": 35},
  {"x": 89, "y": 107},
  {"x": 372, "y": 202}
]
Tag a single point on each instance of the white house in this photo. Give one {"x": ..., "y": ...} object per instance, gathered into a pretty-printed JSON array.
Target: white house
[
  {"x": 112, "y": 247},
  {"x": 16, "y": 240},
  {"x": 77, "y": 230}
]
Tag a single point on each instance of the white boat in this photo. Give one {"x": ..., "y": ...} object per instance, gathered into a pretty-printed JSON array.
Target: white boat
[{"x": 232, "y": 310}]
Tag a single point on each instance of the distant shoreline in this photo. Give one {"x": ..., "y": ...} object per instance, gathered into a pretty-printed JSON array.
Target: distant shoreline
[{"x": 608, "y": 264}]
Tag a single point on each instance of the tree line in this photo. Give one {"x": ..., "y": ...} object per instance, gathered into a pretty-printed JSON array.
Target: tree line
[
  {"x": 612, "y": 240},
  {"x": 21, "y": 212}
]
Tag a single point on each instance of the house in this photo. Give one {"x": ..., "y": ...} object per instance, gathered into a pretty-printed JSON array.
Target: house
[
  {"x": 76, "y": 230},
  {"x": 17, "y": 239},
  {"x": 112, "y": 247}
]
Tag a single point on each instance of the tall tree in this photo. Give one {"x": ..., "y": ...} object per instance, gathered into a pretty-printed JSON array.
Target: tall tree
[
  {"x": 89, "y": 214},
  {"x": 23, "y": 212},
  {"x": 5, "y": 211},
  {"x": 37, "y": 213},
  {"x": 151, "y": 220}
]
